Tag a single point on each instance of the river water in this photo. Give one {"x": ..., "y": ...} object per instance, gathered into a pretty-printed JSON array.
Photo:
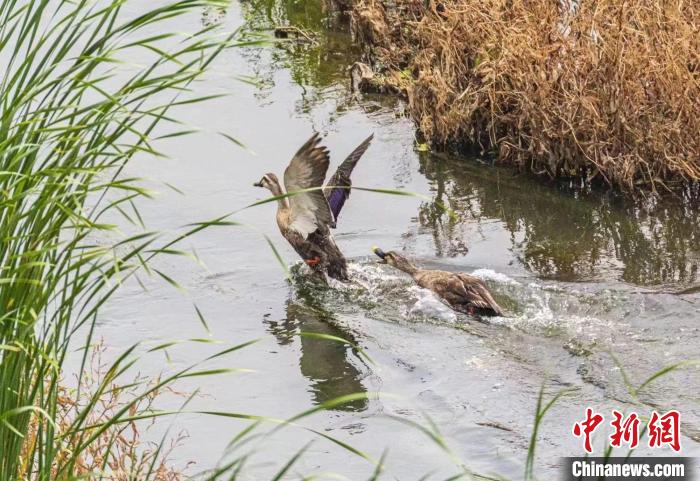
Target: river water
[{"x": 586, "y": 279}]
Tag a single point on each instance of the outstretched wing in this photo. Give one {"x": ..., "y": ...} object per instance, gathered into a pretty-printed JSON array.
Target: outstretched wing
[
  {"x": 309, "y": 210},
  {"x": 478, "y": 295},
  {"x": 338, "y": 186}
]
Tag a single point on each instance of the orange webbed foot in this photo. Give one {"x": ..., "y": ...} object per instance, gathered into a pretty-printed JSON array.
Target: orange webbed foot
[{"x": 312, "y": 262}]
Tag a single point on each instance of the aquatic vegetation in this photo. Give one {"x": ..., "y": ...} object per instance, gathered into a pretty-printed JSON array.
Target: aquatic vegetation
[
  {"x": 121, "y": 452},
  {"x": 320, "y": 63},
  {"x": 602, "y": 91},
  {"x": 71, "y": 120}
]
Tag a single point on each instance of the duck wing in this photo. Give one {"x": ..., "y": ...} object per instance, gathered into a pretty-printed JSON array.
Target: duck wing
[
  {"x": 309, "y": 210},
  {"x": 337, "y": 189},
  {"x": 477, "y": 294}
]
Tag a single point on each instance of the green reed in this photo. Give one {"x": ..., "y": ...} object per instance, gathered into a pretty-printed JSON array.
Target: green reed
[{"x": 70, "y": 120}]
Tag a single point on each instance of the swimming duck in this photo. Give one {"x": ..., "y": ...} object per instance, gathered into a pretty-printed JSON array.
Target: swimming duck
[
  {"x": 462, "y": 292},
  {"x": 305, "y": 219}
]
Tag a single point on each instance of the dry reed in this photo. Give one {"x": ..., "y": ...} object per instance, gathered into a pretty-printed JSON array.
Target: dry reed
[
  {"x": 603, "y": 90},
  {"x": 120, "y": 453}
]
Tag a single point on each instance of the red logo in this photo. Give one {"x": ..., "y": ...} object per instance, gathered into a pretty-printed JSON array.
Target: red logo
[
  {"x": 626, "y": 429},
  {"x": 586, "y": 427},
  {"x": 664, "y": 430}
]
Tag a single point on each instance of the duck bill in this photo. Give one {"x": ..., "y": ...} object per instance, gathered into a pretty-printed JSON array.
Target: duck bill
[
  {"x": 381, "y": 254},
  {"x": 258, "y": 184}
]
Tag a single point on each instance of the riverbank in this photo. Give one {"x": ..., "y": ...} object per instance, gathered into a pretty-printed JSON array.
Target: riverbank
[{"x": 601, "y": 93}]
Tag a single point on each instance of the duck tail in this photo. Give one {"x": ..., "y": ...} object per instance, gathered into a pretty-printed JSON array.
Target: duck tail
[
  {"x": 339, "y": 185},
  {"x": 489, "y": 306},
  {"x": 338, "y": 272}
]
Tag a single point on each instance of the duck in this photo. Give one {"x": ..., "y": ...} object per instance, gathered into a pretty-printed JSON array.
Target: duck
[
  {"x": 461, "y": 292},
  {"x": 307, "y": 211}
]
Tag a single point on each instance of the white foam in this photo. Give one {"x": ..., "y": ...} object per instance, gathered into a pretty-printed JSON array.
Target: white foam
[
  {"x": 427, "y": 305},
  {"x": 544, "y": 310},
  {"x": 494, "y": 276},
  {"x": 373, "y": 273}
]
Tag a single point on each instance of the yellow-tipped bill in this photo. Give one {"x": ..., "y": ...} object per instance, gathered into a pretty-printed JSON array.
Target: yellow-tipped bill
[{"x": 380, "y": 253}]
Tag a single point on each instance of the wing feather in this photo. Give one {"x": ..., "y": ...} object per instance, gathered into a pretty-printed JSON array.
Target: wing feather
[
  {"x": 309, "y": 210},
  {"x": 338, "y": 191},
  {"x": 478, "y": 295}
]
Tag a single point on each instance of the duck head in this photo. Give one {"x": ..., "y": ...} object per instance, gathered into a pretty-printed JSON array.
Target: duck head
[
  {"x": 271, "y": 183},
  {"x": 395, "y": 259}
]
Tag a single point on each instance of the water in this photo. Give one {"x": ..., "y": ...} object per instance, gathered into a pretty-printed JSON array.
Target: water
[{"x": 581, "y": 276}]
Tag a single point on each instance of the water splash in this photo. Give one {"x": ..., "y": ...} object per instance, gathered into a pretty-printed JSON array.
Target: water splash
[
  {"x": 427, "y": 306},
  {"x": 489, "y": 274},
  {"x": 382, "y": 293}
]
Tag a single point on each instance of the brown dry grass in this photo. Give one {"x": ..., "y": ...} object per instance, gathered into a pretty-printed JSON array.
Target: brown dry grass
[
  {"x": 119, "y": 453},
  {"x": 611, "y": 92}
]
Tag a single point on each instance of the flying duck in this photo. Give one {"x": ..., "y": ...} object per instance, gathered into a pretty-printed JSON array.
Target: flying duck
[
  {"x": 305, "y": 216},
  {"x": 461, "y": 292}
]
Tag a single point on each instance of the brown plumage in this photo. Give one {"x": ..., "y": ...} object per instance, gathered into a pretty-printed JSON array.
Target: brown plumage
[
  {"x": 462, "y": 292},
  {"x": 305, "y": 218}
]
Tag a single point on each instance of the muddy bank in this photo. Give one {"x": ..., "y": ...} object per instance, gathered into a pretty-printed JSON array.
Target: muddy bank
[{"x": 600, "y": 92}]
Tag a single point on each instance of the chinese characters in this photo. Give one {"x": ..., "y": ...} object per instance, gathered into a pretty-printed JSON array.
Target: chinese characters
[{"x": 662, "y": 429}]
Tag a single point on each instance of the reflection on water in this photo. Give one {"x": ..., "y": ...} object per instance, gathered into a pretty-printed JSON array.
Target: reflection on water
[
  {"x": 557, "y": 235},
  {"x": 316, "y": 65},
  {"x": 329, "y": 365}
]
